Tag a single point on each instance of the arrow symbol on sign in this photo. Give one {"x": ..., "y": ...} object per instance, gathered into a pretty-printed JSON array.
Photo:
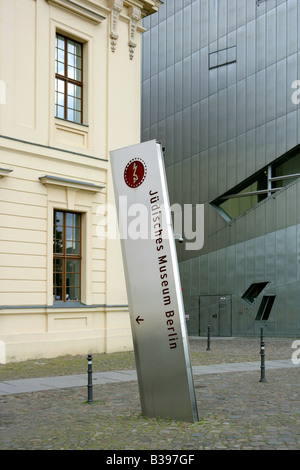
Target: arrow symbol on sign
[{"x": 138, "y": 320}]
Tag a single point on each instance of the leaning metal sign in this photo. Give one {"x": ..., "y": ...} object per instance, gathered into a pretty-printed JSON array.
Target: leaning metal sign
[{"x": 153, "y": 287}]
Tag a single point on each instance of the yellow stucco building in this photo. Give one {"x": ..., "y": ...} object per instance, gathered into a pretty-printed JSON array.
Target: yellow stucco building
[{"x": 69, "y": 93}]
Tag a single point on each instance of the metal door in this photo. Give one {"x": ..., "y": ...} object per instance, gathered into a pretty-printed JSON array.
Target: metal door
[
  {"x": 212, "y": 310},
  {"x": 193, "y": 325}
]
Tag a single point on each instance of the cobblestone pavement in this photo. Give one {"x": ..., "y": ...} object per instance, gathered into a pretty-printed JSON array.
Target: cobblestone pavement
[{"x": 236, "y": 411}]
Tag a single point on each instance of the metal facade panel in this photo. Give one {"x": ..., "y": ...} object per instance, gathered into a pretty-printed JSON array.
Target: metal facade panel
[
  {"x": 231, "y": 120},
  {"x": 195, "y": 30},
  {"x": 146, "y": 69},
  {"x": 291, "y": 249},
  {"x": 261, "y": 31},
  {"x": 162, "y": 46},
  {"x": 280, "y": 257},
  {"x": 270, "y": 257},
  {"x": 154, "y": 50},
  {"x": 250, "y": 102},
  {"x": 260, "y": 220},
  {"x": 212, "y": 273},
  {"x": 271, "y": 37},
  {"x": 146, "y": 92},
  {"x": 281, "y": 310},
  {"x": 204, "y": 267},
  {"x": 154, "y": 99},
  {"x": 195, "y": 80},
  {"x": 178, "y": 36},
  {"x": 170, "y": 140},
  {"x": 281, "y": 208},
  {"x": 194, "y": 274},
  {"x": 162, "y": 93},
  {"x": 260, "y": 102},
  {"x": 259, "y": 258},
  {"x": 231, "y": 163},
  {"x": 292, "y": 27},
  {"x": 178, "y": 99},
  {"x": 186, "y": 180},
  {"x": 177, "y": 182},
  {"x": 204, "y": 123},
  {"x": 221, "y": 279},
  {"x": 170, "y": 91},
  {"x": 195, "y": 164},
  {"x": 281, "y": 33},
  {"x": 250, "y": 262},
  {"x": 291, "y": 307},
  {"x": 170, "y": 41},
  {"x": 291, "y": 133},
  {"x": 204, "y": 175},
  {"x": 226, "y": 124},
  {"x": 222, "y": 116},
  {"x": 178, "y": 130},
  {"x": 251, "y": 47},
  {"x": 271, "y": 95},
  {"x": 195, "y": 134},
  {"x": 260, "y": 146},
  {"x": 187, "y": 31},
  {"x": 187, "y": 82},
  {"x": 230, "y": 269},
  {"x": 187, "y": 133},
  {"x": 170, "y": 179},
  {"x": 241, "y": 109},
  {"x": 292, "y": 204},
  {"x": 281, "y": 85},
  {"x": 222, "y": 165}
]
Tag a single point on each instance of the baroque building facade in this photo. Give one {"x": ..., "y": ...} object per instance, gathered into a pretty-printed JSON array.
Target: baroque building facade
[{"x": 69, "y": 93}]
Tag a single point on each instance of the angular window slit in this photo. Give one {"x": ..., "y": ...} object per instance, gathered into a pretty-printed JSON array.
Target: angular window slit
[
  {"x": 253, "y": 291},
  {"x": 265, "y": 308}
]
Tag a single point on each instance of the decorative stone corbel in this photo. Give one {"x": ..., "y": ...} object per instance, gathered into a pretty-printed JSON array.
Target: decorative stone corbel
[
  {"x": 116, "y": 8},
  {"x": 135, "y": 15}
]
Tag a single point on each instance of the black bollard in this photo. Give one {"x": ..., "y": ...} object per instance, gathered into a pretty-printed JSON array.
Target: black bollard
[
  {"x": 90, "y": 379},
  {"x": 262, "y": 356},
  {"x": 208, "y": 338}
]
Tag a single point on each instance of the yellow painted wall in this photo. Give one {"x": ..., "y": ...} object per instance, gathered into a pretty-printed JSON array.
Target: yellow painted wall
[{"x": 33, "y": 144}]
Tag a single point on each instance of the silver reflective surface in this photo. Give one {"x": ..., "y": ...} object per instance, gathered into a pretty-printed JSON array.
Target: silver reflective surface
[
  {"x": 153, "y": 286},
  {"x": 219, "y": 127}
]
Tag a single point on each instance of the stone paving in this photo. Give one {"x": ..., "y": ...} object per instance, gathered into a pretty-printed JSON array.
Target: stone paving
[{"x": 236, "y": 411}]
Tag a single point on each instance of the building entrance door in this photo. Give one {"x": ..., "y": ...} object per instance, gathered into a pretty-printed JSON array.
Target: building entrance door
[{"x": 212, "y": 310}]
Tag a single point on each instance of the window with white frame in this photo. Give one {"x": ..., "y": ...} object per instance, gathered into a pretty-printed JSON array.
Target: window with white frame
[{"x": 68, "y": 79}]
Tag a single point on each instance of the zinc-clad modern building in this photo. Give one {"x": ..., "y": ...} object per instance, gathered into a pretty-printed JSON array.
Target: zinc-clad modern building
[{"x": 220, "y": 89}]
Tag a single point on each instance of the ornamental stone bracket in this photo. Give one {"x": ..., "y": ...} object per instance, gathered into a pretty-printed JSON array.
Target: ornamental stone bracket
[
  {"x": 116, "y": 8},
  {"x": 135, "y": 15}
]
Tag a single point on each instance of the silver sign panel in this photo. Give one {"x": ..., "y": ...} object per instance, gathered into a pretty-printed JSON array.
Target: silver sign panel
[{"x": 153, "y": 284}]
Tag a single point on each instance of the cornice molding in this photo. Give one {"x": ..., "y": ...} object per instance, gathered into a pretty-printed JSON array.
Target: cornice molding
[
  {"x": 67, "y": 183},
  {"x": 84, "y": 8}
]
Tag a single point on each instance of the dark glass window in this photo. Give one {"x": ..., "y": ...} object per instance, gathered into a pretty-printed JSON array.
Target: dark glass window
[
  {"x": 286, "y": 171},
  {"x": 68, "y": 79},
  {"x": 253, "y": 291},
  {"x": 263, "y": 184},
  {"x": 236, "y": 204},
  {"x": 66, "y": 256}
]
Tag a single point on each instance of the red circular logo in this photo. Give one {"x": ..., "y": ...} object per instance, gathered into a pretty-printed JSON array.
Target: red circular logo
[{"x": 135, "y": 173}]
